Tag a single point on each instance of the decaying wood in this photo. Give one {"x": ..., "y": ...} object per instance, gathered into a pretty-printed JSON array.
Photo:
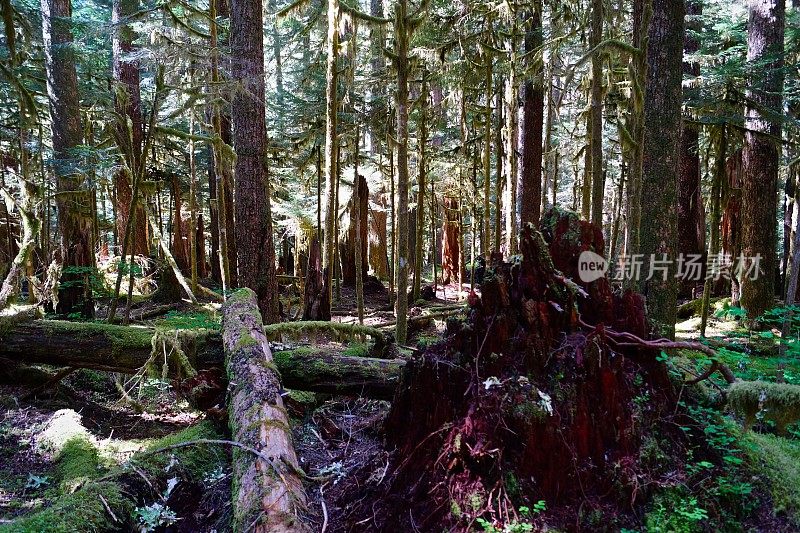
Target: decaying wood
[
  {"x": 127, "y": 349},
  {"x": 316, "y": 295},
  {"x": 268, "y": 495}
]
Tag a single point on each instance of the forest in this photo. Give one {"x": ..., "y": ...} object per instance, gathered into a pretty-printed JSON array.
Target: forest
[{"x": 495, "y": 266}]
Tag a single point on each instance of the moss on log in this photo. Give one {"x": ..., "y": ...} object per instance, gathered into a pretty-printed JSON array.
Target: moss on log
[
  {"x": 268, "y": 495},
  {"x": 127, "y": 349},
  {"x": 107, "y": 503},
  {"x": 779, "y": 402}
]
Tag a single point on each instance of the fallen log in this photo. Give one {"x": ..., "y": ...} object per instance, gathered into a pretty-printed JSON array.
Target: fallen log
[
  {"x": 268, "y": 492},
  {"x": 126, "y": 349}
]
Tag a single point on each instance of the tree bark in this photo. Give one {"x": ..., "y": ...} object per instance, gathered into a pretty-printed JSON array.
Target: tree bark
[
  {"x": 331, "y": 144},
  {"x": 598, "y": 183},
  {"x": 254, "y": 239},
  {"x": 691, "y": 216},
  {"x": 268, "y": 496},
  {"x": 662, "y": 126},
  {"x": 128, "y": 104},
  {"x": 761, "y": 151},
  {"x": 316, "y": 295},
  {"x": 529, "y": 188},
  {"x": 451, "y": 240},
  {"x": 73, "y": 199},
  {"x": 347, "y": 246},
  {"x": 402, "y": 42}
]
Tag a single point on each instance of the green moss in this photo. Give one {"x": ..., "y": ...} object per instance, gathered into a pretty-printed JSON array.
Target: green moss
[
  {"x": 121, "y": 337},
  {"x": 304, "y": 398},
  {"x": 777, "y": 462},
  {"x": 81, "y": 511},
  {"x": 192, "y": 462},
  {"x": 77, "y": 463},
  {"x": 356, "y": 349},
  {"x": 779, "y": 402}
]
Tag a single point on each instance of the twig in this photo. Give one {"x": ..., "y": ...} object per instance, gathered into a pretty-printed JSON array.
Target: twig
[
  {"x": 105, "y": 504},
  {"x": 324, "y": 511}
]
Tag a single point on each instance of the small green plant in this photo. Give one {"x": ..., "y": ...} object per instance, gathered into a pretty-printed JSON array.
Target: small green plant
[
  {"x": 150, "y": 517},
  {"x": 36, "y": 482},
  {"x": 515, "y": 526}
]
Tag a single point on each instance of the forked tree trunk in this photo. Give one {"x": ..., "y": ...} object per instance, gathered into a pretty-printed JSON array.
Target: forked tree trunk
[{"x": 268, "y": 493}]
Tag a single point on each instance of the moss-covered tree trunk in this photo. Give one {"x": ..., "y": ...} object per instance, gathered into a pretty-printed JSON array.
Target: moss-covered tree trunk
[
  {"x": 662, "y": 126},
  {"x": 74, "y": 198},
  {"x": 402, "y": 67},
  {"x": 596, "y": 140},
  {"x": 761, "y": 152},
  {"x": 129, "y": 130},
  {"x": 268, "y": 494}
]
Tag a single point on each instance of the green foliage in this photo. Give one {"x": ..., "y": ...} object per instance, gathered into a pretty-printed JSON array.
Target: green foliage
[
  {"x": 192, "y": 463},
  {"x": 677, "y": 512},
  {"x": 515, "y": 526}
]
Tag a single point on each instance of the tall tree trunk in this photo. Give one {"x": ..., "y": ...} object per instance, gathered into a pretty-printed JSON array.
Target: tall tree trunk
[
  {"x": 498, "y": 183},
  {"x": 360, "y": 238},
  {"x": 354, "y": 240},
  {"x": 486, "y": 213},
  {"x": 74, "y": 199},
  {"x": 512, "y": 141},
  {"x": 254, "y": 239},
  {"x": 716, "y": 216},
  {"x": 451, "y": 240},
  {"x": 128, "y": 104},
  {"x": 331, "y": 142},
  {"x": 691, "y": 217},
  {"x": 419, "y": 228},
  {"x": 529, "y": 188},
  {"x": 662, "y": 126},
  {"x": 760, "y": 154},
  {"x": 598, "y": 184},
  {"x": 402, "y": 38},
  {"x": 637, "y": 67}
]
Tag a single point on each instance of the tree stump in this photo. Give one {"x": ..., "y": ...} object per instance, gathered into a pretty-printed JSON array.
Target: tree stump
[{"x": 529, "y": 397}]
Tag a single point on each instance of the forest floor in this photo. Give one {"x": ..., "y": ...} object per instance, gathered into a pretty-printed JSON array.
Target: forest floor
[{"x": 338, "y": 439}]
